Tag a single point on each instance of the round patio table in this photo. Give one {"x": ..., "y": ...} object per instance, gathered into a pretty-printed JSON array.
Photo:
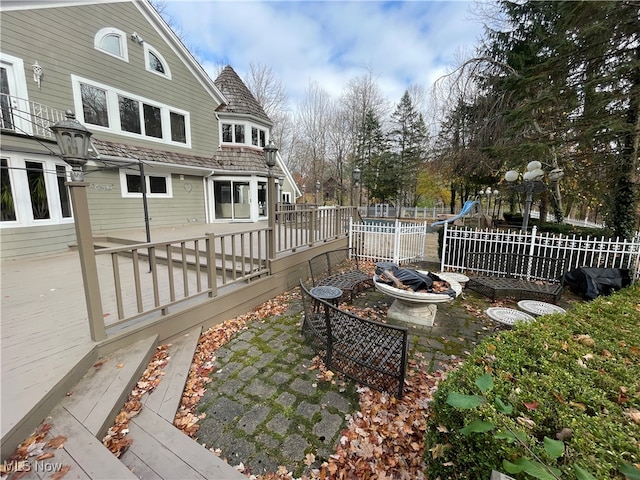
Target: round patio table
[
  {"x": 537, "y": 308},
  {"x": 327, "y": 293},
  {"x": 507, "y": 316}
]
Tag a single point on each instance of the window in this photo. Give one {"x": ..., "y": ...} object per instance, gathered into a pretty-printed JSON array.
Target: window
[
  {"x": 227, "y": 135},
  {"x": 235, "y": 133},
  {"x": 7, "y": 209},
  {"x": 152, "y": 121},
  {"x": 258, "y": 137},
  {"x": 113, "y": 42},
  {"x": 156, "y": 185},
  {"x": 155, "y": 62},
  {"x": 178, "y": 129},
  {"x": 128, "y": 114},
  {"x": 37, "y": 190},
  {"x": 94, "y": 105},
  {"x": 239, "y": 133},
  {"x": 33, "y": 192},
  {"x": 63, "y": 191}
]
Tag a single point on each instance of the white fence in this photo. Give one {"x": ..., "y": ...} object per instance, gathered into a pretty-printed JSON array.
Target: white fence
[
  {"x": 578, "y": 252},
  {"x": 393, "y": 241}
]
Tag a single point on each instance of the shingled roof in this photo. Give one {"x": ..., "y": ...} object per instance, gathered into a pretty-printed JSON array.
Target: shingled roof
[
  {"x": 127, "y": 151},
  {"x": 241, "y": 100},
  {"x": 242, "y": 159},
  {"x": 228, "y": 159}
]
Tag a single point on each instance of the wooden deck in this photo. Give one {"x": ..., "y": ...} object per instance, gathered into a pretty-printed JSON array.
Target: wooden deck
[{"x": 45, "y": 343}]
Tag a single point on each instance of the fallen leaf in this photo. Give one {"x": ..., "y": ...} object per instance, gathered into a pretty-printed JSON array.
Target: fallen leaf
[
  {"x": 120, "y": 365},
  {"x": 61, "y": 473},
  {"x": 531, "y": 405},
  {"x": 57, "y": 442},
  {"x": 44, "y": 456},
  {"x": 309, "y": 459}
]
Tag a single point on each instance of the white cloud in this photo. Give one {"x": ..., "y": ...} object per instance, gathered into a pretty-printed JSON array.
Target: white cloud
[{"x": 330, "y": 42}]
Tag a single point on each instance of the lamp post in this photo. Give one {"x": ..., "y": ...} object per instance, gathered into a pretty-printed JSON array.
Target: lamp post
[
  {"x": 317, "y": 192},
  {"x": 73, "y": 140},
  {"x": 270, "y": 159},
  {"x": 357, "y": 175},
  {"x": 488, "y": 193},
  {"x": 532, "y": 180}
]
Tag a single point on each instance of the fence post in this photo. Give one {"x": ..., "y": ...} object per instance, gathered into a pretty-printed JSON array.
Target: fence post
[
  {"x": 423, "y": 240},
  {"x": 444, "y": 247},
  {"x": 534, "y": 230},
  {"x": 396, "y": 242}
]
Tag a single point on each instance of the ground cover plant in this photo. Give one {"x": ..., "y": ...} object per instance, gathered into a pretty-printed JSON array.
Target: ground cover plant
[{"x": 562, "y": 392}]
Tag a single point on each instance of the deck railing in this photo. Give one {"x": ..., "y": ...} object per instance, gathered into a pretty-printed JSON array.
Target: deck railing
[
  {"x": 577, "y": 252},
  {"x": 26, "y": 117},
  {"x": 303, "y": 226},
  {"x": 146, "y": 278},
  {"x": 149, "y": 279}
]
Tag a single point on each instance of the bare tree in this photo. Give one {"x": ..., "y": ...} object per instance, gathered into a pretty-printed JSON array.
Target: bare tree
[{"x": 312, "y": 118}]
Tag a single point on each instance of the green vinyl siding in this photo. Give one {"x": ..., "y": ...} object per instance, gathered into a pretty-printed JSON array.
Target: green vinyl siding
[
  {"x": 110, "y": 211},
  {"x": 62, "y": 41},
  {"x": 34, "y": 241}
]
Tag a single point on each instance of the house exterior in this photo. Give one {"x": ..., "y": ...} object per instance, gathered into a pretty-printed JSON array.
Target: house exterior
[{"x": 166, "y": 138}]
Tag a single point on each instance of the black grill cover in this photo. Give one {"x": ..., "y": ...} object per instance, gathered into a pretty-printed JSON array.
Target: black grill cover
[{"x": 590, "y": 283}]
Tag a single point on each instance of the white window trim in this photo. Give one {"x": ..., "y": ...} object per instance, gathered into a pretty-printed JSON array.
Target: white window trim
[
  {"x": 21, "y": 93},
  {"x": 22, "y": 196},
  {"x": 113, "y": 111},
  {"x": 103, "y": 32},
  {"x": 247, "y": 133},
  {"x": 147, "y": 62},
  {"x": 127, "y": 194}
]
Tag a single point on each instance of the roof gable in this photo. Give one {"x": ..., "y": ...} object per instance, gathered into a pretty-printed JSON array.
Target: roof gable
[{"x": 240, "y": 99}]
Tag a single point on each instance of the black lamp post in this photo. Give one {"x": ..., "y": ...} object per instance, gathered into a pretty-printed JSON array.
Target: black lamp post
[
  {"x": 270, "y": 152},
  {"x": 74, "y": 140}
]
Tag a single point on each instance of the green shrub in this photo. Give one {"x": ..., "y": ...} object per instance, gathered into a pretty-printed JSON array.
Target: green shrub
[{"x": 574, "y": 376}]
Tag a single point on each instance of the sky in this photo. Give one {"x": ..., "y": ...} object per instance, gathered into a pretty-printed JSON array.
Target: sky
[{"x": 330, "y": 42}]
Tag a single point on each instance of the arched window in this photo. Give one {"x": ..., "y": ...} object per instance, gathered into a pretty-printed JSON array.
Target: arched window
[
  {"x": 155, "y": 62},
  {"x": 113, "y": 42}
]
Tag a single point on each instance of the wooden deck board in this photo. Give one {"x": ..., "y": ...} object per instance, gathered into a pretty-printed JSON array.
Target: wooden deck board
[
  {"x": 205, "y": 463},
  {"x": 165, "y": 399},
  {"x": 104, "y": 389},
  {"x": 157, "y": 455},
  {"x": 86, "y": 450},
  {"x": 45, "y": 344}
]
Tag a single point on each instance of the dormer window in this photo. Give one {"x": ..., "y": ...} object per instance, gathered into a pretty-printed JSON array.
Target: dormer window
[
  {"x": 112, "y": 42},
  {"x": 155, "y": 62}
]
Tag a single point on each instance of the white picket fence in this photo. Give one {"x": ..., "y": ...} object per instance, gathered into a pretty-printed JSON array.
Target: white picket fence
[
  {"x": 392, "y": 241},
  {"x": 578, "y": 252}
]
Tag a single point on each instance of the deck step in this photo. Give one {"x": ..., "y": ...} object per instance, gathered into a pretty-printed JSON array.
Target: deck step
[
  {"x": 159, "y": 450},
  {"x": 99, "y": 395},
  {"x": 82, "y": 454},
  {"x": 165, "y": 399}
]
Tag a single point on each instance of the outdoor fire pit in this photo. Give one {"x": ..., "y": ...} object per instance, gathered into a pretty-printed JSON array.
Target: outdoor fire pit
[{"x": 413, "y": 307}]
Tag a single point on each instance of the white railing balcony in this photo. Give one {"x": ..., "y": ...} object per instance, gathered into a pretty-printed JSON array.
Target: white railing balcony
[{"x": 27, "y": 118}]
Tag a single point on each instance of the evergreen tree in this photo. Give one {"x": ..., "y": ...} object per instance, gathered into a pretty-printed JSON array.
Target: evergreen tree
[
  {"x": 408, "y": 142},
  {"x": 570, "y": 72}
]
